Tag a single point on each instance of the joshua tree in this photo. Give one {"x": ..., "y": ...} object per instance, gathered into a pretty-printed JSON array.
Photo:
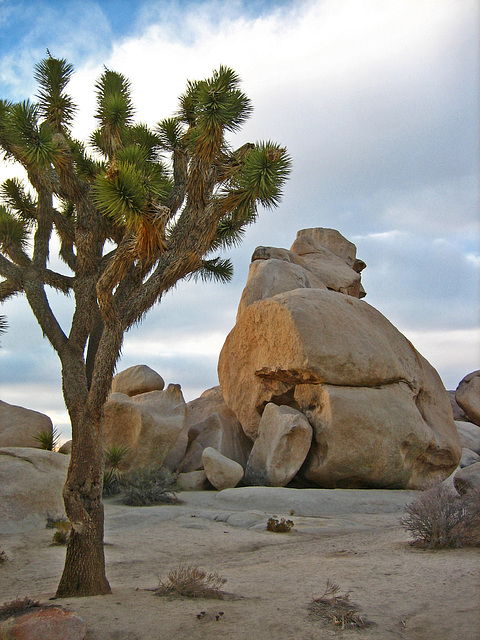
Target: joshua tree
[{"x": 142, "y": 211}]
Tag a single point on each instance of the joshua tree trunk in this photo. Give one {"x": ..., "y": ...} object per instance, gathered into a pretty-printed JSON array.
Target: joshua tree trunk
[{"x": 84, "y": 571}]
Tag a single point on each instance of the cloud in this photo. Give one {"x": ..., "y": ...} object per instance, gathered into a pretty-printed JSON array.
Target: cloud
[{"x": 377, "y": 102}]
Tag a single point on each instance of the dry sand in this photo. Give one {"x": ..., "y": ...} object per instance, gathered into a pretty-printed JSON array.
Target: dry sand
[{"x": 352, "y": 538}]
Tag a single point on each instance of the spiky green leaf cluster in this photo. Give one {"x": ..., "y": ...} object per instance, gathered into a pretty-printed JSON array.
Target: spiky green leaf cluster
[
  {"x": 114, "y": 112},
  {"x": 211, "y": 108},
  {"x": 216, "y": 269},
  {"x": 264, "y": 172},
  {"x": 13, "y": 232},
  {"x": 13, "y": 193},
  {"x": 170, "y": 133},
  {"x": 56, "y": 107}
]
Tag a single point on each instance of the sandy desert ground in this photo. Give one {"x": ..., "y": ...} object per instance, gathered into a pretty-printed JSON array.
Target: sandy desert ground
[{"x": 352, "y": 538}]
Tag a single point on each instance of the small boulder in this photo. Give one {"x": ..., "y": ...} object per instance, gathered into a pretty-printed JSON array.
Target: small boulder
[
  {"x": 467, "y": 479},
  {"x": 66, "y": 447},
  {"x": 31, "y": 482},
  {"x": 283, "y": 442},
  {"x": 458, "y": 414},
  {"x": 467, "y": 396},
  {"x": 136, "y": 380},
  {"x": 19, "y": 426},
  {"x": 469, "y": 435},
  {"x": 222, "y": 472},
  {"x": 468, "y": 457},
  {"x": 192, "y": 481},
  {"x": 44, "y": 623}
]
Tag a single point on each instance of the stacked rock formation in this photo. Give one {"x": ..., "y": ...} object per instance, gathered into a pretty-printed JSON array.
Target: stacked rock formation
[{"x": 304, "y": 339}]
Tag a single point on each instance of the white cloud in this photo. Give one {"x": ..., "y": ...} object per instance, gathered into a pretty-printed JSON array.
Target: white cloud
[{"x": 378, "y": 104}]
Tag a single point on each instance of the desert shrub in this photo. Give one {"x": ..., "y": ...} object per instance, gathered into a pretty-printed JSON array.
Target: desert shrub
[
  {"x": 439, "y": 518},
  {"x": 191, "y": 582},
  {"x": 333, "y": 607},
  {"x": 149, "y": 486},
  {"x": 3, "y": 557},
  {"x": 279, "y": 526},
  {"x": 112, "y": 477},
  {"x": 48, "y": 440},
  {"x": 53, "y": 520},
  {"x": 17, "y": 606},
  {"x": 62, "y": 532}
]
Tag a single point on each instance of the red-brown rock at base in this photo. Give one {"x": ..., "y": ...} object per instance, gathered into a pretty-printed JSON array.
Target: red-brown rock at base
[{"x": 44, "y": 623}]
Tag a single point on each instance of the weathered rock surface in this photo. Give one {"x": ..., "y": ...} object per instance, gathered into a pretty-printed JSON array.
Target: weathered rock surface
[
  {"x": 467, "y": 396},
  {"x": 267, "y": 277},
  {"x": 468, "y": 457},
  {"x": 467, "y": 479},
  {"x": 192, "y": 481},
  {"x": 148, "y": 423},
  {"x": 66, "y": 447},
  {"x": 209, "y": 423},
  {"x": 31, "y": 482},
  {"x": 458, "y": 413},
  {"x": 379, "y": 411},
  {"x": 284, "y": 439},
  {"x": 136, "y": 380},
  {"x": 19, "y": 426},
  {"x": 332, "y": 258},
  {"x": 44, "y": 623},
  {"x": 221, "y": 472},
  {"x": 469, "y": 435}
]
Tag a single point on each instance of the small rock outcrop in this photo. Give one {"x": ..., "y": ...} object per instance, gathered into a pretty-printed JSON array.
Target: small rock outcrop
[
  {"x": 148, "y": 424},
  {"x": 379, "y": 411},
  {"x": 467, "y": 396},
  {"x": 467, "y": 479},
  {"x": 44, "y": 623},
  {"x": 221, "y": 472},
  {"x": 209, "y": 423},
  {"x": 31, "y": 482},
  {"x": 19, "y": 426},
  {"x": 469, "y": 435},
  {"x": 136, "y": 380},
  {"x": 284, "y": 439}
]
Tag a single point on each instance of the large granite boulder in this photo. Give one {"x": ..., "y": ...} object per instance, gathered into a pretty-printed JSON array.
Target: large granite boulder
[
  {"x": 380, "y": 414},
  {"x": 31, "y": 482},
  {"x": 19, "y": 426},
  {"x": 148, "y": 424},
  {"x": 467, "y": 396},
  {"x": 284, "y": 439},
  {"x": 209, "y": 423},
  {"x": 136, "y": 380}
]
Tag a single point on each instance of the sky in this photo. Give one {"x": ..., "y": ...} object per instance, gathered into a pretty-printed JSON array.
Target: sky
[{"x": 377, "y": 102}]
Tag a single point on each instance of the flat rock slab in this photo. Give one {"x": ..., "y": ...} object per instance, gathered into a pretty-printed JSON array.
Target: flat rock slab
[{"x": 315, "y": 502}]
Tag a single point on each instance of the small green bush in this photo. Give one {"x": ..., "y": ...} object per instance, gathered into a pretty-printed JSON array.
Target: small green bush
[
  {"x": 112, "y": 477},
  {"x": 48, "y": 440},
  {"x": 149, "y": 486},
  {"x": 62, "y": 532},
  {"x": 439, "y": 519}
]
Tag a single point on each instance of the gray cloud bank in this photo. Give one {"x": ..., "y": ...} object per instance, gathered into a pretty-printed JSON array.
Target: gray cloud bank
[{"x": 378, "y": 106}]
